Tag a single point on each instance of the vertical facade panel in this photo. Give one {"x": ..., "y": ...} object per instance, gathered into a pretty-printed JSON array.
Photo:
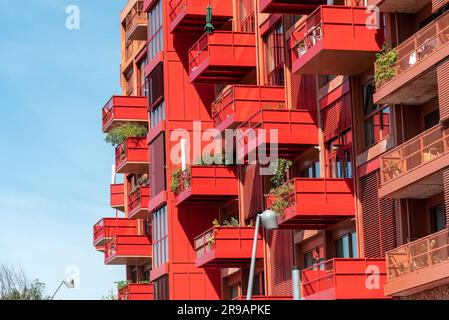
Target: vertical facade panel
[
  {"x": 157, "y": 165},
  {"x": 336, "y": 117},
  {"x": 443, "y": 88},
  {"x": 446, "y": 193},
  {"x": 251, "y": 191},
  {"x": 438, "y": 4},
  {"x": 303, "y": 92},
  {"x": 281, "y": 251}
]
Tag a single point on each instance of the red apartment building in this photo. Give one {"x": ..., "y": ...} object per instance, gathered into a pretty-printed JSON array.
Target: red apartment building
[{"x": 365, "y": 130}]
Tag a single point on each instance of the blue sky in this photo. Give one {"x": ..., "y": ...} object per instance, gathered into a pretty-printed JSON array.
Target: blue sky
[{"x": 54, "y": 165}]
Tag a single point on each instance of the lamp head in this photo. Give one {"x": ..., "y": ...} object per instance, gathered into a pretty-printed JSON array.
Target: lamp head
[
  {"x": 69, "y": 283},
  {"x": 269, "y": 219}
]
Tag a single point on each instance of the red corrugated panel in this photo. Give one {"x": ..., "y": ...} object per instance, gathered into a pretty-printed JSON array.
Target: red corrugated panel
[
  {"x": 252, "y": 191},
  {"x": 438, "y": 4},
  {"x": 281, "y": 251},
  {"x": 336, "y": 118},
  {"x": 303, "y": 92},
  {"x": 157, "y": 165},
  {"x": 446, "y": 193},
  {"x": 378, "y": 218},
  {"x": 443, "y": 88}
]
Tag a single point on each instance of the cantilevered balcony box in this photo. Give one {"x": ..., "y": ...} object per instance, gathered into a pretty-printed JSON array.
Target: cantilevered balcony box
[
  {"x": 128, "y": 250},
  {"x": 225, "y": 247},
  {"x": 335, "y": 40},
  {"x": 344, "y": 279},
  {"x": 222, "y": 57},
  {"x": 315, "y": 203},
  {"x": 138, "y": 203},
  {"x": 117, "y": 192},
  {"x": 419, "y": 265},
  {"x": 207, "y": 185},
  {"x": 415, "y": 78},
  {"x": 290, "y": 6},
  {"x": 414, "y": 168},
  {"x": 136, "y": 23},
  {"x": 137, "y": 291},
  {"x": 122, "y": 109},
  {"x": 108, "y": 228},
  {"x": 403, "y": 6},
  {"x": 190, "y": 15},
  {"x": 290, "y": 131},
  {"x": 237, "y": 103},
  {"x": 132, "y": 156}
]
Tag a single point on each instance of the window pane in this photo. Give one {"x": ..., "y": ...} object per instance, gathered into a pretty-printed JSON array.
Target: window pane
[{"x": 354, "y": 245}]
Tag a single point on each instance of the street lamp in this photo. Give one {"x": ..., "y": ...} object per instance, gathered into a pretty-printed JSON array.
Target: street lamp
[
  {"x": 270, "y": 221},
  {"x": 69, "y": 283}
]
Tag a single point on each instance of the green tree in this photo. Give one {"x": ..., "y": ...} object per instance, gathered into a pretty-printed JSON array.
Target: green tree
[{"x": 15, "y": 285}]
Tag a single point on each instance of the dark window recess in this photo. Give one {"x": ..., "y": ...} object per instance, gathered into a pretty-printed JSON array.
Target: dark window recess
[
  {"x": 376, "y": 117},
  {"x": 156, "y": 85},
  {"x": 312, "y": 171},
  {"x": 346, "y": 246},
  {"x": 161, "y": 291},
  {"x": 437, "y": 218},
  {"x": 274, "y": 56},
  {"x": 432, "y": 119},
  {"x": 234, "y": 291}
]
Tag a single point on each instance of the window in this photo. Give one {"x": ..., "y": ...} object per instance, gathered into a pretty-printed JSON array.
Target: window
[
  {"x": 157, "y": 114},
  {"x": 432, "y": 119},
  {"x": 234, "y": 291},
  {"x": 339, "y": 158},
  {"x": 246, "y": 16},
  {"x": 155, "y": 83},
  {"x": 155, "y": 33},
  {"x": 142, "y": 89},
  {"x": 312, "y": 171},
  {"x": 376, "y": 118},
  {"x": 259, "y": 284},
  {"x": 346, "y": 246},
  {"x": 313, "y": 257},
  {"x": 129, "y": 79},
  {"x": 160, "y": 237},
  {"x": 437, "y": 218},
  {"x": 274, "y": 56},
  {"x": 161, "y": 291}
]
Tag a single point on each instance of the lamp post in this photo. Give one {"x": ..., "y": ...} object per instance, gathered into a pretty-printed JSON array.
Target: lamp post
[
  {"x": 69, "y": 283},
  {"x": 270, "y": 222}
]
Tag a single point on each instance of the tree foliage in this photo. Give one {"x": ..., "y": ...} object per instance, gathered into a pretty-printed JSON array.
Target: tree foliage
[
  {"x": 15, "y": 285},
  {"x": 119, "y": 134}
]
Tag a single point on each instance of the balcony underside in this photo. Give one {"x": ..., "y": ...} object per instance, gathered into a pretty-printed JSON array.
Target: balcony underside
[
  {"x": 295, "y": 221},
  {"x": 138, "y": 32},
  {"x": 188, "y": 198},
  {"x": 420, "y": 183},
  {"x": 128, "y": 260},
  {"x": 194, "y": 23},
  {"x": 324, "y": 60},
  {"x": 418, "y": 281},
  {"x": 290, "y": 6},
  {"x": 139, "y": 213},
  {"x": 208, "y": 73},
  {"x": 133, "y": 167},
  {"x": 403, "y": 6},
  {"x": 117, "y": 122},
  {"x": 215, "y": 260}
]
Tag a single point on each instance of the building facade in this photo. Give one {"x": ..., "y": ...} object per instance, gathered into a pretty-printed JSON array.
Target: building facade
[{"x": 346, "y": 97}]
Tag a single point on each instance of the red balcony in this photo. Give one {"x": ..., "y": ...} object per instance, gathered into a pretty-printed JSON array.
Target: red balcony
[
  {"x": 136, "y": 23},
  {"x": 222, "y": 57},
  {"x": 223, "y": 247},
  {"x": 404, "y": 6},
  {"x": 290, "y": 6},
  {"x": 128, "y": 250},
  {"x": 343, "y": 279},
  {"x": 138, "y": 203},
  {"x": 335, "y": 40},
  {"x": 414, "y": 169},
  {"x": 313, "y": 204},
  {"x": 206, "y": 185},
  {"x": 118, "y": 196},
  {"x": 265, "y": 298},
  {"x": 108, "y": 228},
  {"x": 137, "y": 291},
  {"x": 290, "y": 131},
  {"x": 121, "y": 109},
  {"x": 190, "y": 15},
  {"x": 419, "y": 265},
  {"x": 237, "y": 103},
  {"x": 132, "y": 156}
]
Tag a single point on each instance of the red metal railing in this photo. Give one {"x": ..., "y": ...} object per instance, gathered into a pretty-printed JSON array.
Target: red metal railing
[
  {"x": 176, "y": 7},
  {"x": 135, "y": 16},
  {"x": 108, "y": 112},
  {"x": 110, "y": 248},
  {"x": 120, "y": 154},
  {"x": 248, "y": 24},
  {"x": 418, "y": 255},
  {"x": 135, "y": 199},
  {"x": 420, "y": 46},
  {"x": 99, "y": 230},
  {"x": 427, "y": 146}
]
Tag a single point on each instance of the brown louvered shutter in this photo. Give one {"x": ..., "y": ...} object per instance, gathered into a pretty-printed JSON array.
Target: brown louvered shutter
[
  {"x": 378, "y": 218},
  {"x": 443, "y": 88},
  {"x": 251, "y": 192},
  {"x": 438, "y": 4},
  {"x": 336, "y": 117},
  {"x": 157, "y": 165},
  {"x": 446, "y": 193},
  {"x": 281, "y": 251},
  {"x": 303, "y": 92}
]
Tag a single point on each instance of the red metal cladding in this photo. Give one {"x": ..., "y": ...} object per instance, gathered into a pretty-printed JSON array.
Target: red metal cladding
[
  {"x": 336, "y": 40},
  {"x": 206, "y": 185},
  {"x": 290, "y": 131},
  {"x": 108, "y": 228},
  {"x": 222, "y": 57},
  {"x": 128, "y": 250},
  {"x": 443, "y": 89},
  {"x": 265, "y": 298},
  {"x": 190, "y": 15},
  {"x": 118, "y": 196},
  {"x": 138, "y": 203},
  {"x": 222, "y": 247},
  {"x": 237, "y": 103},
  {"x": 132, "y": 156},
  {"x": 121, "y": 109},
  {"x": 403, "y": 6},
  {"x": 137, "y": 291},
  {"x": 316, "y": 203},
  {"x": 290, "y": 6},
  {"x": 438, "y": 4},
  {"x": 341, "y": 279}
]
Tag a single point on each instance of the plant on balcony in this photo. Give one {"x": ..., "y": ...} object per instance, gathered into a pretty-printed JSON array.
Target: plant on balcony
[
  {"x": 280, "y": 168},
  {"x": 281, "y": 198},
  {"x": 118, "y": 135},
  {"x": 177, "y": 179},
  {"x": 233, "y": 222},
  {"x": 121, "y": 284},
  {"x": 385, "y": 64},
  {"x": 300, "y": 47},
  {"x": 220, "y": 158}
]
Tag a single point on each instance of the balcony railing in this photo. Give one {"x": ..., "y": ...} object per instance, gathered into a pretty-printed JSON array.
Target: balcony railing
[
  {"x": 136, "y": 17},
  {"x": 239, "y": 102},
  {"x": 107, "y": 228},
  {"x": 137, "y": 291},
  {"x": 426, "y": 147},
  {"x": 418, "y": 255},
  {"x": 226, "y": 246},
  {"x": 132, "y": 156},
  {"x": 128, "y": 250},
  {"x": 121, "y": 109},
  {"x": 344, "y": 279},
  {"x": 138, "y": 203},
  {"x": 420, "y": 46}
]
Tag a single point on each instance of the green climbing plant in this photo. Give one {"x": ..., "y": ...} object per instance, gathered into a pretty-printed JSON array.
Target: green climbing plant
[
  {"x": 385, "y": 64},
  {"x": 281, "y": 198},
  {"x": 121, "y": 284},
  {"x": 280, "y": 169},
  {"x": 177, "y": 180},
  {"x": 119, "y": 134}
]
